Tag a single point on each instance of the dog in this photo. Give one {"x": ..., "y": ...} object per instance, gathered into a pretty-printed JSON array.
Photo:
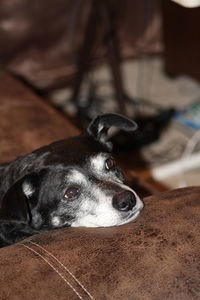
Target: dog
[{"x": 74, "y": 182}]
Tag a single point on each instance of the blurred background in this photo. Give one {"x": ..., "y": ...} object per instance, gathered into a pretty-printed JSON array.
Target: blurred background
[{"x": 139, "y": 58}]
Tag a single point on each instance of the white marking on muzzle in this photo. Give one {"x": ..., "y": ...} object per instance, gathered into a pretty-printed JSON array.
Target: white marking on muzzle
[{"x": 102, "y": 213}]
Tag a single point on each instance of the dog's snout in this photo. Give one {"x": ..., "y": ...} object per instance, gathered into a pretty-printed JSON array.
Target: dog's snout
[{"x": 124, "y": 201}]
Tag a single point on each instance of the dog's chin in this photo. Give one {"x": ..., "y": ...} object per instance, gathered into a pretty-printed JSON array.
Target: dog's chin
[{"x": 90, "y": 222}]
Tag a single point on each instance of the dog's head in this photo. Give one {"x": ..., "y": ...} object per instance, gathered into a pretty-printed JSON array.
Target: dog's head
[{"x": 74, "y": 182}]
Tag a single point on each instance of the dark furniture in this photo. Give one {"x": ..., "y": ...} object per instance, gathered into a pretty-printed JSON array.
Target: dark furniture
[{"x": 181, "y": 38}]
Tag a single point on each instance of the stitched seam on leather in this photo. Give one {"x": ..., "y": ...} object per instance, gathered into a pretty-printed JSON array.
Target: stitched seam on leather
[
  {"x": 62, "y": 277},
  {"x": 70, "y": 273}
]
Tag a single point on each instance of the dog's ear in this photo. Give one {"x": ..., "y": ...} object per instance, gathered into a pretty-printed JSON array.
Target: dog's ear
[
  {"x": 99, "y": 126},
  {"x": 15, "y": 204}
]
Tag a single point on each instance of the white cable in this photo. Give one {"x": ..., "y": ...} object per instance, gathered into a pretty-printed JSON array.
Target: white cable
[
  {"x": 187, "y": 162},
  {"x": 190, "y": 146},
  {"x": 176, "y": 167}
]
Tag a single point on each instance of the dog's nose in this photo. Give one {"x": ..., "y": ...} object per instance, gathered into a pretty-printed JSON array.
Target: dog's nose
[{"x": 124, "y": 201}]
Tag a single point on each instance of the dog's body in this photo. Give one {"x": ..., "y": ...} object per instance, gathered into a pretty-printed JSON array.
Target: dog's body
[{"x": 74, "y": 182}]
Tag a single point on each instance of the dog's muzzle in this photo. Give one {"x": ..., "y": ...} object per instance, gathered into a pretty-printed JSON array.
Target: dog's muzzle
[{"x": 124, "y": 201}]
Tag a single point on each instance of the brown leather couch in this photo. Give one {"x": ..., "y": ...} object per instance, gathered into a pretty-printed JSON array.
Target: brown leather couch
[{"x": 155, "y": 257}]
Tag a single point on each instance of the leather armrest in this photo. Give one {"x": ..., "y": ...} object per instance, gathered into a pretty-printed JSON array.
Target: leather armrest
[{"x": 26, "y": 121}]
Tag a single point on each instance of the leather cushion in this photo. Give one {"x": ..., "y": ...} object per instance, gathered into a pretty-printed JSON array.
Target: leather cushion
[{"x": 155, "y": 257}]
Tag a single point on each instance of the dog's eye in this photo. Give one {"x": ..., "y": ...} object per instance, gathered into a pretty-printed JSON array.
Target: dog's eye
[
  {"x": 72, "y": 192},
  {"x": 110, "y": 163}
]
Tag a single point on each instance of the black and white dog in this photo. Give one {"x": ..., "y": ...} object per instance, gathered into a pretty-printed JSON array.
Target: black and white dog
[{"x": 73, "y": 182}]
